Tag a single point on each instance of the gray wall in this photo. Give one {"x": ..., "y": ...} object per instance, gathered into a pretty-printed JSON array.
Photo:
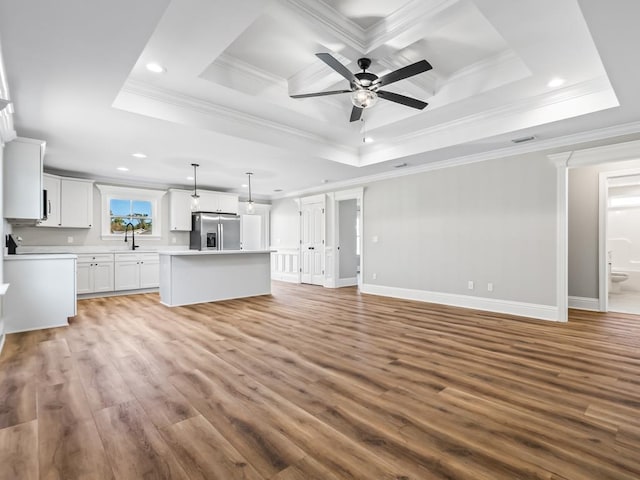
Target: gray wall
[
  {"x": 348, "y": 259},
  {"x": 493, "y": 222},
  {"x": 46, "y": 236},
  {"x": 583, "y": 226},
  {"x": 285, "y": 224}
]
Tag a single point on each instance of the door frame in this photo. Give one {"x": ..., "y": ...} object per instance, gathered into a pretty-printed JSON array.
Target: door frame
[
  {"x": 603, "y": 225},
  {"x": 351, "y": 194}
]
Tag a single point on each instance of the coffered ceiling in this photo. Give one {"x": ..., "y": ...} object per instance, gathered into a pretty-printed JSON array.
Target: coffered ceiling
[{"x": 78, "y": 79}]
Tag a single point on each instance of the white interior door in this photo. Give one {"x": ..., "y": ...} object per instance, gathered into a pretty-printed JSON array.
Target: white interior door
[{"x": 312, "y": 243}]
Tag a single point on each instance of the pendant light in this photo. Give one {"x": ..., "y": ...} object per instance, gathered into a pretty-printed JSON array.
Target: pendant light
[
  {"x": 250, "y": 206},
  {"x": 196, "y": 198}
]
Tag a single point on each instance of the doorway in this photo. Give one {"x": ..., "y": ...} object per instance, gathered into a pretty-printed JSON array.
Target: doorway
[
  {"x": 348, "y": 213},
  {"x": 619, "y": 254}
]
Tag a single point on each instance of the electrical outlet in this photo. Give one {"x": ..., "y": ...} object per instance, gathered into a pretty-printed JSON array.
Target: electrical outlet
[
  {"x": 489, "y": 287},
  {"x": 470, "y": 285},
  {"x": 374, "y": 276},
  {"x": 69, "y": 239}
]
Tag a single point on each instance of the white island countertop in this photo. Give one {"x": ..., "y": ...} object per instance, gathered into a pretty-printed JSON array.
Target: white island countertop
[
  {"x": 211, "y": 252},
  {"x": 40, "y": 256}
]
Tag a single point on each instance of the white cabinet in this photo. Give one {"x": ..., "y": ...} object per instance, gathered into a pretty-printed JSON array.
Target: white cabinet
[
  {"x": 52, "y": 186},
  {"x": 218, "y": 202},
  {"x": 180, "y": 203},
  {"x": 69, "y": 202},
  {"x": 76, "y": 203},
  {"x": 95, "y": 273},
  {"x": 136, "y": 270},
  {"x": 22, "y": 180},
  {"x": 42, "y": 292}
]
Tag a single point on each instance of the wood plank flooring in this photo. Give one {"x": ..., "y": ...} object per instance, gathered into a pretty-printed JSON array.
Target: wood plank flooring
[{"x": 320, "y": 384}]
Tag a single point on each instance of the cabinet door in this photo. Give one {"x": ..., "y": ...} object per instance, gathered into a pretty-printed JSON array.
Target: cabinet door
[
  {"x": 180, "y": 205},
  {"x": 102, "y": 277},
  {"x": 51, "y": 184},
  {"x": 127, "y": 275},
  {"x": 149, "y": 274},
  {"x": 227, "y": 203},
  {"x": 208, "y": 201},
  {"x": 83, "y": 278},
  {"x": 76, "y": 204},
  {"x": 22, "y": 166}
]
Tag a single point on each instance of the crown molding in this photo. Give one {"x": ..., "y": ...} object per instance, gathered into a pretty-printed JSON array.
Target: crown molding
[
  {"x": 137, "y": 88},
  {"x": 537, "y": 146},
  {"x": 246, "y": 69},
  {"x": 618, "y": 152},
  {"x": 589, "y": 87},
  {"x": 318, "y": 13}
]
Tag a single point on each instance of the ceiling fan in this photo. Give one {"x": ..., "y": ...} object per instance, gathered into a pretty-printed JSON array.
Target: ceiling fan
[{"x": 365, "y": 86}]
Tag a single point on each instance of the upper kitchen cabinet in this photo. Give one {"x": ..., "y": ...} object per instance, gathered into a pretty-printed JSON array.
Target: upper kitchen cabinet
[
  {"x": 180, "y": 202},
  {"x": 218, "y": 202},
  {"x": 22, "y": 181},
  {"x": 76, "y": 203},
  {"x": 69, "y": 202},
  {"x": 52, "y": 186}
]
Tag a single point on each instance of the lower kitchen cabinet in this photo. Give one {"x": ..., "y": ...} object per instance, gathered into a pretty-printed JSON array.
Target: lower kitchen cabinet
[
  {"x": 136, "y": 270},
  {"x": 95, "y": 273}
]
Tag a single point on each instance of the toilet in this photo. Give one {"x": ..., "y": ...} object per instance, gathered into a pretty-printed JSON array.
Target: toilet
[{"x": 616, "y": 279}]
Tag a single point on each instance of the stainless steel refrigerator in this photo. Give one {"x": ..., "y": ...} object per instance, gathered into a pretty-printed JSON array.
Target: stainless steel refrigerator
[{"x": 214, "y": 231}]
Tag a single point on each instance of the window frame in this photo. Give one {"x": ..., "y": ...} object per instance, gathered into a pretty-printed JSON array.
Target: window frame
[{"x": 111, "y": 192}]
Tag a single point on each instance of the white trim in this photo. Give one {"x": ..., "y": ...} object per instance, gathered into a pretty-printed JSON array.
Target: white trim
[
  {"x": 285, "y": 277},
  {"x": 562, "y": 247},
  {"x": 346, "y": 282},
  {"x": 520, "y": 149},
  {"x": 107, "y": 192},
  {"x": 584, "y": 303},
  {"x": 531, "y": 310}
]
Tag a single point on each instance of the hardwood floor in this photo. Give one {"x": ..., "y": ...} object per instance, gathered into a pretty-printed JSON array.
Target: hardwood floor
[{"x": 314, "y": 383}]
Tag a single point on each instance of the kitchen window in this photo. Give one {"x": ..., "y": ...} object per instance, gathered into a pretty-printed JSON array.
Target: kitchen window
[{"x": 137, "y": 206}]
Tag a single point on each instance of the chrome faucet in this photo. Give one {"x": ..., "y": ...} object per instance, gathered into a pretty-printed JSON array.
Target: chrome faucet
[{"x": 133, "y": 235}]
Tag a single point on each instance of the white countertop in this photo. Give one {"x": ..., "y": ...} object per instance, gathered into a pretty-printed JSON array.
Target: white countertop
[
  {"x": 40, "y": 256},
  {"x": 212, "y": 252}
]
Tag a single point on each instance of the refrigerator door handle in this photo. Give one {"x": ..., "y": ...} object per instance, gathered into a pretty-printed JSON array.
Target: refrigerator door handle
[{"x": 221, "y": 236}]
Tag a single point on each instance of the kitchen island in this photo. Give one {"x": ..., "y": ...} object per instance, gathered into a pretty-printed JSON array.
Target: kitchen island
[{"x": 194, "y": 276}]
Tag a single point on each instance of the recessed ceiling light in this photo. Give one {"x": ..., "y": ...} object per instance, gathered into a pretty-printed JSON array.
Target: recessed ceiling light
[
  {"x": 139, "y": 155},
  {"x": 367, "y": 139},
  {"x": 244, "y": 185},
  {"x": 123, "y": 169},
  {"x": 190, "y": 178},
  {"x": 555, "y": 82},
  {"x": 155, "y": 67}
]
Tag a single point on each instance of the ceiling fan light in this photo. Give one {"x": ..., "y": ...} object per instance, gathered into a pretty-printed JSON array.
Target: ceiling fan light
[{"x": 364, "y": 98}]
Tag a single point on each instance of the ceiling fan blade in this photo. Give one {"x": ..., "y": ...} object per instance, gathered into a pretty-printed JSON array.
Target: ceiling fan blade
[
  {"x": 402, "y": 99},
  {"x": 356, "y": 113},
  {"x": 404, "y": 72},
  {"x": 319, "y": 94},
  {"x": 338, "y": 67}
]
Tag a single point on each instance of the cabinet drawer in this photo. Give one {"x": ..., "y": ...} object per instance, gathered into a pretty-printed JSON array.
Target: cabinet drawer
[
  {"x": 95, "y": 257},
  {"x": 137, "y": 257}
]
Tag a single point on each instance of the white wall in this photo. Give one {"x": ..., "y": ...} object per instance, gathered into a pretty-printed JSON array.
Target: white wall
[
  {"x": 487, "y": 222},
  {"x": 46, "y": 236},
  {"x": 285, "y": 230},
  {"x": 348, "y": 257}
]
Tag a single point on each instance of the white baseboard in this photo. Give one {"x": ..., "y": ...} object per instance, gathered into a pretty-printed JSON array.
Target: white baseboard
[
  {"x": 584, "y": 303},
  {"x": 532, "y": 310},
  {"x": 32, "y": 329},
  {"x": 285, "y": 277},
  {"x": 347, "y": 282}
]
